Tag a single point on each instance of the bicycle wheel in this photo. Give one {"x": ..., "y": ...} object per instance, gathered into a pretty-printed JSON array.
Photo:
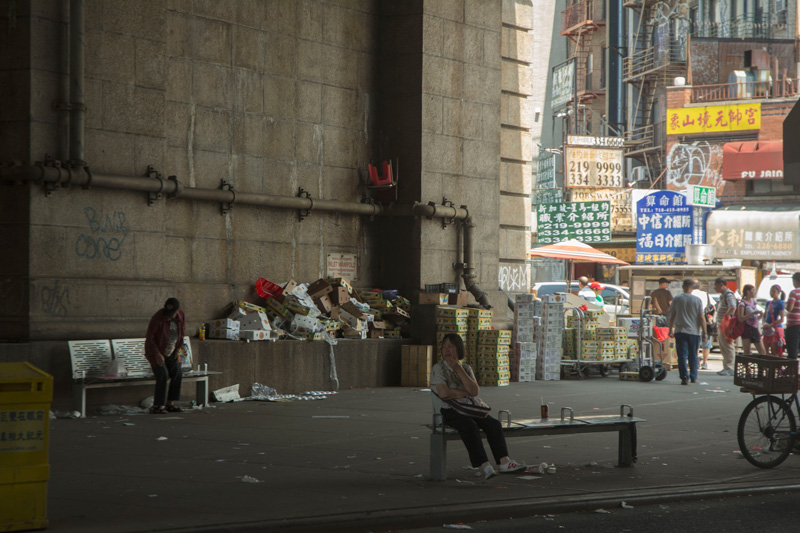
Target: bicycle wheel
[{"x": 766, "y": 431}]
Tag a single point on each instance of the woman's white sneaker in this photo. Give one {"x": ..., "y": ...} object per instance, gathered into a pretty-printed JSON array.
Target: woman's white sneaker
[{"x": 511, "y": 466}]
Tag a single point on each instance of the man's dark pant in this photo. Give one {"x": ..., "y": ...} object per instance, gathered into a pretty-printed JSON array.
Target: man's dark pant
[
  {"x": 686, "y": 346},
  {"x": 792, "y": 340},
  {"x": 469, "y": 430},
  {"x": 171, "y": 371}
]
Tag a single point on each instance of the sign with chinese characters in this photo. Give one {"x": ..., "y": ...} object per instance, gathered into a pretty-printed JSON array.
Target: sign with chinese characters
[
  {"x": 584, "y": 221},
  {"x": 714, "y": 118},
  {"x": 596, "y": 142},
  {"x": 625, "y": 254},
  {"x": 563, "y": 84},
  {"x": 702, "y": 196},
  {"x": 594, "y": 167},
  {"x": 23, "y": 429},
  {"x": 754, "y": 234},
  {"x": 620, "y": 199},
  {"x": 343, "y": 266},
  {"x": 546, "y": 171},
  {"x": 664, "y": 228},
  {"x": 548, "y": 196}
]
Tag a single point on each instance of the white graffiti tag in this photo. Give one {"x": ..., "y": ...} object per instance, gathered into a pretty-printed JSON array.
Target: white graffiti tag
[
  {"x": 513, "y": 279},
  {"x": 698, "y": 163}
]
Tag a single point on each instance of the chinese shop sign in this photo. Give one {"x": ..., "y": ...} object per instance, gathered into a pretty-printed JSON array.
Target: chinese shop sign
[
  {"x": 664, "y": 228},
  {"x": 714, "y": 118},
  {"x": 583, "y": 221},
  {"x": 754, "y": 234}
]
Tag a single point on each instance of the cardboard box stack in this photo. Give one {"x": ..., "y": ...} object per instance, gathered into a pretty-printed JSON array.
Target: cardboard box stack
[
  {"x": 416, "y": 366},
  {"x": 477, "y": 320},
  {"x": 451, "y": 319},
  {"x": 391, "y": 313},
  {"x": 613, "y": 343},
  {"x": 493, "y": 357},
  {"x": 549, "y": 337},
  {"x": 523, "y": 356}
]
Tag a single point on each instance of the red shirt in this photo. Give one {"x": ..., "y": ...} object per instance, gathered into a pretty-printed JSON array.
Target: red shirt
[{"x": 793, "y": 316}]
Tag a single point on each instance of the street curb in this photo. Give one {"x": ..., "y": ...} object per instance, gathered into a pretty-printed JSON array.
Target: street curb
[{"x": 419, "y": 517}]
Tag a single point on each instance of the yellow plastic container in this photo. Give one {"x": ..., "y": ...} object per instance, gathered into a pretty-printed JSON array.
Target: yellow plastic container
[{"x": 25, "y": 396}]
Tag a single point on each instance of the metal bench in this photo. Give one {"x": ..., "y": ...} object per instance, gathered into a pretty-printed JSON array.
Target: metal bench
[
  {"x": 90, "y": 358},
  {"x": 624, "y": 424}
]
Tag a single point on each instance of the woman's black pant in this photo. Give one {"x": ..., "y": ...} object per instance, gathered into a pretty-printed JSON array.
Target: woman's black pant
[{"x": 469, "y": 430}]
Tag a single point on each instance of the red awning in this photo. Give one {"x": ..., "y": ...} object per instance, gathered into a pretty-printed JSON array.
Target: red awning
[{"x": 752, "y": 160}]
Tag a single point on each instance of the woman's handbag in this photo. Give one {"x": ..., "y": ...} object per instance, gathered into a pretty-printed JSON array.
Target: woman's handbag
[
  {"x": 467, "y": 406},
  {"x": 470, "y": 406}
]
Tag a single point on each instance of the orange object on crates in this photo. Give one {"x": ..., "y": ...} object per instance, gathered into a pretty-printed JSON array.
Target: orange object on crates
[
  {"x": 383, "y": 180},
  {"x": 266, "y": 289}
]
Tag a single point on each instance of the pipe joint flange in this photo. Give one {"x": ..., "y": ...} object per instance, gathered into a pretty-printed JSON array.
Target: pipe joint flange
[
  {"x": 88, "y": 184},
  {"x": 178, "y": 187},
  {"x": 226, "y": 207},
  {"x": 466, "y": 209},
  {"x": 303, "y": 213},
  {"x": 371, "y": 201},
  {"x": 152, "y": 196},
  {"x": 49, "y": 162},
  {"x": 447, "y": 221}
]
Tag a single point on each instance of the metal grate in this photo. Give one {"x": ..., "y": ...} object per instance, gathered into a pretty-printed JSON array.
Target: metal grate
[
  {"x": 89, "y": 358},
  {"x": 132, "y": 353}
]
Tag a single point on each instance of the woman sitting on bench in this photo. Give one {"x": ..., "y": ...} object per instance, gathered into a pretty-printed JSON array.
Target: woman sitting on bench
[{"x": 452, "y": 379}]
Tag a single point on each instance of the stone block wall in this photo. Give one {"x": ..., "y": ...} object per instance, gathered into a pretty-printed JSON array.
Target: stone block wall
[
  {"x": 518, "y": 122},
  {"x": 267, "y": 96}
]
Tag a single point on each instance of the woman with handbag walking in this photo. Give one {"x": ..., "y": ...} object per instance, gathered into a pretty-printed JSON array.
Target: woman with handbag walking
[
  {"x": 748, "y": 312},
  {"x": 773, "y": 322},
  {"x": 455, "y": 396}
]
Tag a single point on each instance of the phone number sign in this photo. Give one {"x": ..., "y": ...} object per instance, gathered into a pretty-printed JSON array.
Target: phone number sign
[
  {"x": 594, "y": 167},
  {"x": 584, "y": 221}
]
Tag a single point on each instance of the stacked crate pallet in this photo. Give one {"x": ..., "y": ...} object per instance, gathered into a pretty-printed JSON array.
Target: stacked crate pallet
[
  {"x": 523, "y": 358},
  {"x": 477, "y": 320},
  {"x": 549, "y": 335},
  {"x": 493, "y": 361}
]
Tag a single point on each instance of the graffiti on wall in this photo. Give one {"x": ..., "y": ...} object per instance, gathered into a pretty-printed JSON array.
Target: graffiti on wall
[
  {"x": 106, "y": 235},
  {"x": 55, "y": 300},
  {"x": 513, "y": 278},
  {"x": 699, "y": 163}
]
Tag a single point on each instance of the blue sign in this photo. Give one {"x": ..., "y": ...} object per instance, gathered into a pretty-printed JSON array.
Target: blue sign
[{"x": 664, "y": 227}]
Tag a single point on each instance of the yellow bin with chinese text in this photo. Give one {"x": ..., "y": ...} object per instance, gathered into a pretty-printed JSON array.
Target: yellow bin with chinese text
[{"x": 25, "y": 396}]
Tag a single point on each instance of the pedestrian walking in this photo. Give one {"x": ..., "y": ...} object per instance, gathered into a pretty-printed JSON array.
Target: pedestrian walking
[
  {"x": 451, "y": 379},
  {"x": 687, "y": 325},
  {"x": 163, "y": 342},
  {"x": 773, "y": 337},
  {"x": 726, "y": 307},
  {"x": 662, "y": 300},
  {"x": 748, "y": 312},
  {"x": 793, "y": 318}
]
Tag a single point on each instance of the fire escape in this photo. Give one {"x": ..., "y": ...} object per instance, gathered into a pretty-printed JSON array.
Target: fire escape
[
  {"x": 579, "y": 22},
  {"x": 657, "y": 56}
]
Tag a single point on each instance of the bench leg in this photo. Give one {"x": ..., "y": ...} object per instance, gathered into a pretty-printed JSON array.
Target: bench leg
[
  {"x": 79, "y": 399},
  {"x": 438, "y": 466},
  {"x": 201, "y": 388},
  {"x": 627, "y": 446}
]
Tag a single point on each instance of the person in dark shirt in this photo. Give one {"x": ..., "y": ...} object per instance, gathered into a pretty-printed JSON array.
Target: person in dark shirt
[
  {"x": 162, "y": 344},
  {"x": 661, "y": 302}
]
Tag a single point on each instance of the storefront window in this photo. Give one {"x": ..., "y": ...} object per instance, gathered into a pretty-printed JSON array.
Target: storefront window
[{"x": 769, "y": 187}]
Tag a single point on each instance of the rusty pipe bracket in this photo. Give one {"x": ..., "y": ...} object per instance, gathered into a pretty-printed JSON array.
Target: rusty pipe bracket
[
  {"x": 152, "y": 196},
  {"x": 178, "y": 187},
  {"x": 225, "y": 207},
  {"x": 50, "y": 186},
  {"x": 447, "y": 221},
  {"x": 303, "y": 213}
]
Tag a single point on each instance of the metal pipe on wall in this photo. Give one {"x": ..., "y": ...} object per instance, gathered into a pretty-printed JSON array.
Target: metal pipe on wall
[
  {"x": 469, "y": 271},
  {"x": 76, "y": 82}
]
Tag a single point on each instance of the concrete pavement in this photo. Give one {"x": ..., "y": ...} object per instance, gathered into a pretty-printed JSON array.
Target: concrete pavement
[{"x": 358, "y": 461}]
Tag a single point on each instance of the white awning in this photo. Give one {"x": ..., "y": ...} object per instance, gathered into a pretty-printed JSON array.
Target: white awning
[{"x": 750, "y": 234}]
